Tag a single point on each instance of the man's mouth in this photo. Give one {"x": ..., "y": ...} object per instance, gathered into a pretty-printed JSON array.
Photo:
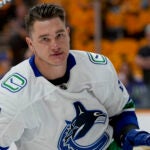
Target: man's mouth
[{"x": 57, "y": 54}]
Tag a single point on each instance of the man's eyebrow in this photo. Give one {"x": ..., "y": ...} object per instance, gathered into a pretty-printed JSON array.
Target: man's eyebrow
[
  {"x": 45, "y": 35},
  {"x": 61, "y": 30}
]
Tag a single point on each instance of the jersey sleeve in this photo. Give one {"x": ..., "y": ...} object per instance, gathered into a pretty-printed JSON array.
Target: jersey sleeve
[{"x": 11, "y": 122}]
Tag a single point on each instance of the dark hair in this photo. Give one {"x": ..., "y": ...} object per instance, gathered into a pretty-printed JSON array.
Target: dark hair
[{"x": 41, "y": 12}]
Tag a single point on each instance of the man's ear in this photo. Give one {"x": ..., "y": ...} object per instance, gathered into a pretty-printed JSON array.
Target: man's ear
[
  {"x": 29, "y": 42},
  {"x": 68, "y": 30}
]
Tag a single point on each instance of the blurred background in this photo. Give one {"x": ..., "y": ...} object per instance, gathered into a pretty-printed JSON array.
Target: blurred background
[{"x": 118, "y": 29}]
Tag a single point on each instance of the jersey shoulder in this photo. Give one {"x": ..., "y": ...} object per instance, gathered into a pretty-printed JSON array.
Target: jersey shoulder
[
  {"x": 90, "y": 58},
  {"x": 94, "y": 65},
  {"x": 15, "y": 79}
]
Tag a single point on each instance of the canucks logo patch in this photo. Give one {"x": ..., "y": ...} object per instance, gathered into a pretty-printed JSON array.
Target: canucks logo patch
[
  {"x": 79, "y": 127},
  {"x": 97, "y": 59},
  {"x": 14, "y": 82}
]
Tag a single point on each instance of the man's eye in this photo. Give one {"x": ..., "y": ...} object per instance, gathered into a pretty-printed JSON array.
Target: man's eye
[
  {"x": 45, "y": 39},
  {"x": 60, "y": 35}
]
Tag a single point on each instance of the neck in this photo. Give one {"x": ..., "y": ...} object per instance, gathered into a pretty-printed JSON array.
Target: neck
[
  {"x": 54, "y": 72},
  {"x": 51, "y": 72}
]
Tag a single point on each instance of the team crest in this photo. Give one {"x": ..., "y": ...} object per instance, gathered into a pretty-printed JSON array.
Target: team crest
[
  {"x": 79, "y": 127},
  {"x": 14, "y": 82},
  {"x": 97, "y": 59}
]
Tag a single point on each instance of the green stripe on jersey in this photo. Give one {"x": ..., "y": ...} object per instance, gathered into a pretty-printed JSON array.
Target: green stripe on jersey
[{"x": 130, "y": 104}]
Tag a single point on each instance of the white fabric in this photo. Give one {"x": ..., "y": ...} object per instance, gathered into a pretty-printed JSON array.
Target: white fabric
[{"x": 35, "y": 116}]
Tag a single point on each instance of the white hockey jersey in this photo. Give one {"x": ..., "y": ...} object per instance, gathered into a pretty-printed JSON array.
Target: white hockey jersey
[{"x": 37, "y": 115}]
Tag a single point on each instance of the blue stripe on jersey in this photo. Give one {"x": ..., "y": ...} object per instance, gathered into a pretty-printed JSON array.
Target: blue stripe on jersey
[
  {"x": 4, "y": 148},
  {"x": 121, "y": 121},
  {"x": 125, "y": 118},
  {"x": 70, "y": 63},
  {"x": 35, "y": 69}
]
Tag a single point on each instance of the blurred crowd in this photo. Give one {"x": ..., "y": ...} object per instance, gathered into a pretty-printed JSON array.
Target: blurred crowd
[
  {"x": 13, "y": 47},
  {"x": 125, "y": 38},
  {"x": 127, "y": 28}
]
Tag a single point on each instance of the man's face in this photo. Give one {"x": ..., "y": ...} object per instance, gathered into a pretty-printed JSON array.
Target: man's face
[{"x": 49, "y": 42}]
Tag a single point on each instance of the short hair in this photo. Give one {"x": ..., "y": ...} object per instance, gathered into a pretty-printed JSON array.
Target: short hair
[{"x": 41, "y": 12}]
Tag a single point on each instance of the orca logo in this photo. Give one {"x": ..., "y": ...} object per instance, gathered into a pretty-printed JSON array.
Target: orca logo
[{"x": 79, "y": 127}]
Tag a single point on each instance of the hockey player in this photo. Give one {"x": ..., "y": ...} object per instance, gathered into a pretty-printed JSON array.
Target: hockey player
[{"x": 62, "y": 99}]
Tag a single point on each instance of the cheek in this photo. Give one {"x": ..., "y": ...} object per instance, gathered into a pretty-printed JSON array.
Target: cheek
[
  {"x": 66, "y": 43},
  {"x": 36, "y": 48},
  {"x": 41, "y": 51}
]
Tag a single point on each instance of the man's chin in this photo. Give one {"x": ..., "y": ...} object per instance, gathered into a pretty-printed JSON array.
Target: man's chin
[{"x": 58, "y": 63}]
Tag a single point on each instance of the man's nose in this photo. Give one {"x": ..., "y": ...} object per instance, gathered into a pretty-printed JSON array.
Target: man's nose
[{"x": 54, "y": 44}]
